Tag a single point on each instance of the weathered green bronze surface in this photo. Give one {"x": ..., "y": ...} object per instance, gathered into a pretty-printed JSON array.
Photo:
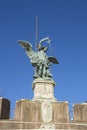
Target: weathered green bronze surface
[{"x": 39, "y": 59}]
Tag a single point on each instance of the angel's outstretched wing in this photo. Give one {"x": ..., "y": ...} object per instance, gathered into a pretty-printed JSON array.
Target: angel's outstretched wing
[
  {"x": 26, "y": 45},
  {"x": 32, "y": 55},
  {"x": 53, "y": 60}
]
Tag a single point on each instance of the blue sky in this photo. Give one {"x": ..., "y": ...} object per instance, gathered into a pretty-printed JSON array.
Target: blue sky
[{"x": 65, "y": 22}]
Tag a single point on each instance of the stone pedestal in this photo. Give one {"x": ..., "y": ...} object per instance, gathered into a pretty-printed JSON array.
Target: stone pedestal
[
  {"x": 80, "y": 112},
  {"x": 43, "y": 89},
  {"x": 4, "y": 108},
  {"x": 42, "y": 113}
]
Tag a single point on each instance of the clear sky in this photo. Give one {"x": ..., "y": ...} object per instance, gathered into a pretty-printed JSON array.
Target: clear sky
[{"x": 65, "y": 22}]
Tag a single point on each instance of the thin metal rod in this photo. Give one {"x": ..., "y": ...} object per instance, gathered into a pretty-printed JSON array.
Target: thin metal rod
[{"x": 36, "y": 32}]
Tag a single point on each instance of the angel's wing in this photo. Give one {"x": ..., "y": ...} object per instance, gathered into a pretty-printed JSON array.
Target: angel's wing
[
  {"x": 32, "y": 55},
  {"x": 26, "y": 45},
  {"x": 53, "y": 60}
]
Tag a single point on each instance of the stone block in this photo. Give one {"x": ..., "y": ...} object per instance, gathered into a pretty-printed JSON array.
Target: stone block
[
  {"x": 27, "y": 110},
  {"x": 4, "y": 108},
  {"x": 80, "y": 112},
  {"x": 60, "y": 112}
]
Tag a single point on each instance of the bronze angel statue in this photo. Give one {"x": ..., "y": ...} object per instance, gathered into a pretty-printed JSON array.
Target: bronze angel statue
[{"x": 39, "y": 59}]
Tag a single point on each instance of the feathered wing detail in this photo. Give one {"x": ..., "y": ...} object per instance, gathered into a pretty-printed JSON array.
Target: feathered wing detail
[
  {"x": 29, "y": 52},
  {"x": 53, "y": 60},
  {"x": 26, "y": 45}
]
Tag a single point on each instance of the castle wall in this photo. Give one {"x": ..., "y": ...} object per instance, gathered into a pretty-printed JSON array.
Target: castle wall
[
  {"x": 29, "y": 114},
  {"x": 42, "y": 112},
  {"x": 13, "y": 125}
]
